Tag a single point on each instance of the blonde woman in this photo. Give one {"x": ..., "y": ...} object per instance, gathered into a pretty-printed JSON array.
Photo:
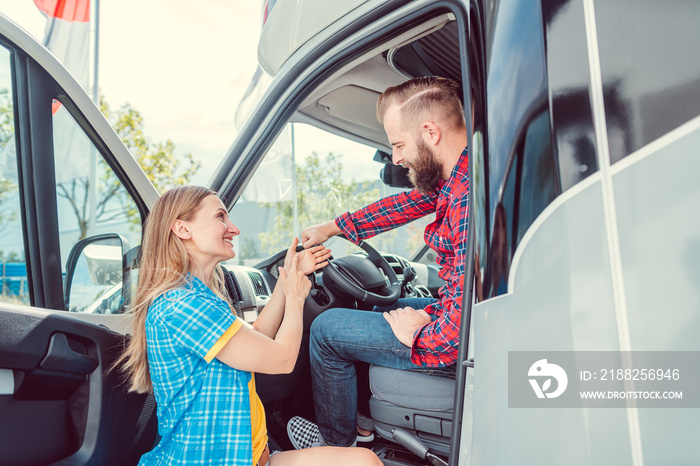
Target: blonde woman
[{"x": 190, "y": 349}]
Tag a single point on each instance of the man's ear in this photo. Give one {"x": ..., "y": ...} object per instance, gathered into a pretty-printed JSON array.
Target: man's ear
[
  {"x": 431, "y": 133},
  {"x": 181, "y": 229}
]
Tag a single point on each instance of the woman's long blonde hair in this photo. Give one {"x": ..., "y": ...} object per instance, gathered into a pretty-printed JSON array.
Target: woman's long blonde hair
[{"x": 164, "y": 264}]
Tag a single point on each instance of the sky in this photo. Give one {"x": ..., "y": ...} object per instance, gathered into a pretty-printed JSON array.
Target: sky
[{"x": 184, "y": 67}]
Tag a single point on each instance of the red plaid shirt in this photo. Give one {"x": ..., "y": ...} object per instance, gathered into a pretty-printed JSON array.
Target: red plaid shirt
[{"x": 435, "y": 344}]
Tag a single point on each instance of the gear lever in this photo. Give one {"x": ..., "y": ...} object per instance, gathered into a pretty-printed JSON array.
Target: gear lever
[{"x": 409, "y": 273}]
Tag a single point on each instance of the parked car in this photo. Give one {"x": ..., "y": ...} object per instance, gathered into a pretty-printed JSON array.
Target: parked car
[{"x": 583, "y": 226}]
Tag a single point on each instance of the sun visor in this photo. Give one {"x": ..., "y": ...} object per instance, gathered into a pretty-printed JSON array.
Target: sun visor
[{"x": 354, "y": 104}]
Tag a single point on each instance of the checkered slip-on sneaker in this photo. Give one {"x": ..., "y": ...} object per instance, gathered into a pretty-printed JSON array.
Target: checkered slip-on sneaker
[{"x": 303, "y": 433}]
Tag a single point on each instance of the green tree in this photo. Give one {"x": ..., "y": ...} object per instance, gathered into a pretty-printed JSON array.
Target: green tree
[
  {"x": 322, "y": 193},
  {"x": 249, "y": 249},
  {"x": 7, "y": 131},
  {"x": 416, "y": 231},
  {"x": 7, "y": 127},
  {"x": 158, "y": 160},
  {"x": 12, "y": 256},
  {"x": 7, "y": 215}
]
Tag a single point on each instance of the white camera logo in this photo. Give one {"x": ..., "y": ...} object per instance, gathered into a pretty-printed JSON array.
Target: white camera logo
[{"x": 542, "y": 369}]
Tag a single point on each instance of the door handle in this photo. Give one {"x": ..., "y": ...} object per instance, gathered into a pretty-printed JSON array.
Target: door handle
[{"x": 61, "y": 357}]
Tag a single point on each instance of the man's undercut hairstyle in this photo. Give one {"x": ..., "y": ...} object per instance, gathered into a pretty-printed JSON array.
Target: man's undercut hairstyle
[{"x": 430, "y": 98}]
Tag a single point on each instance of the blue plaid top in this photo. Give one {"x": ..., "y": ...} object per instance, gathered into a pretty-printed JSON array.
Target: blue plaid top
[{"x": 203, "y": 404}]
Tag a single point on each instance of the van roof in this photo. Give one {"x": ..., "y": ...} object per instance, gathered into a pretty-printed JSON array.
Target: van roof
[{"x": 292, "y": 23}]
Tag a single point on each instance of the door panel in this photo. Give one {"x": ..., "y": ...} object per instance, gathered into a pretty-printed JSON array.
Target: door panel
[
  {"x": 65, "y": 403},
  {"x": 59, "y": 401}
]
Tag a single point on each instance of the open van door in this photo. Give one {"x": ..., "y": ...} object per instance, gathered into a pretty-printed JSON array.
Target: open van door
[
  {"x": 328, "y": 65},
  {"x": 582, "y": 189},
  {"x": 65, "y": 286}
]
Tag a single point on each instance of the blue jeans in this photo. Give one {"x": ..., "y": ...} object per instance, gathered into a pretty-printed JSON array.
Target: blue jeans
[{"x": 339, "y": 337}]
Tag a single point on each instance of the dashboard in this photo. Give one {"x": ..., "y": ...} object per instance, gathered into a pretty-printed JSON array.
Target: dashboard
[{"x": 251, "y": 287}]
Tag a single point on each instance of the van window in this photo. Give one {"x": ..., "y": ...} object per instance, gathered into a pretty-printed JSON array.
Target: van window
[
  {"x": 334, "y": 175},
  {"x": 91, "y": 201},
  {"x": 523, "y": 177},
  {"x": 13, "y": 270},
  {"x": 538, "y": 185}
]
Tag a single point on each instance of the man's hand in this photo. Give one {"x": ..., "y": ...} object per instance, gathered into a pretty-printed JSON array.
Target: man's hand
[
  {"x": 405, "y": 321},
  {"x": 319, "y": 234}
]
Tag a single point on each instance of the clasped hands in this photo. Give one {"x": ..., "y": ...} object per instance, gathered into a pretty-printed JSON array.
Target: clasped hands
[
  {"x": 297, "y": 265},
  {"x": 309, "y": 260}
]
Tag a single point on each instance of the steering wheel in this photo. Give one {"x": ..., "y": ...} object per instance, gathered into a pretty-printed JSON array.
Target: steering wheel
[{"x": 362, "y": 277}]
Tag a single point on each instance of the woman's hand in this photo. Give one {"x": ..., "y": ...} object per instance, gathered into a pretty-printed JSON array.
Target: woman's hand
[
  {"x": 294, "y": 282},
  {"x": 291, "y": 253},
  {"x": 310, "y": 259},
  {"x": 313, "y": 259}
]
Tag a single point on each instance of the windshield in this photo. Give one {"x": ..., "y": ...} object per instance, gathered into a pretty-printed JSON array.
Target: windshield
[{"x": 308, "y": 177}]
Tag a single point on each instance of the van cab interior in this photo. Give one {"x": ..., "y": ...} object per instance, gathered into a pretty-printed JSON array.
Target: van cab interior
[{"x": 341, "y": 103}]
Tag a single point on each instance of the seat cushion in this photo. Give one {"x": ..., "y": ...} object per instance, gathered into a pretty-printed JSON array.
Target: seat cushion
[{"x": 414, "y": 390}]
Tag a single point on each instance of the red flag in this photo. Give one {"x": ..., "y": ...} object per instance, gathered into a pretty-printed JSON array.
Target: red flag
[
  {"x": 67, "y": 34},
  {"x": 67, "y": 10}
]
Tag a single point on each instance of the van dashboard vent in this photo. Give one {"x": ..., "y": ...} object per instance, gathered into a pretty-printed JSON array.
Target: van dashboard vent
[
  {"x": 258, "y": 283},
  {"x": 396, "y": 263}
]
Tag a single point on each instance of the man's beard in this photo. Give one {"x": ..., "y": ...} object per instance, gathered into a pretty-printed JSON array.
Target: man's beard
[{"x": 425, "y": 172}]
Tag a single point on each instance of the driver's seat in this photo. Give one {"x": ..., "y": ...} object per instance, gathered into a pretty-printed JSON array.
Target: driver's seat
[{"x": 417, "y": 402}]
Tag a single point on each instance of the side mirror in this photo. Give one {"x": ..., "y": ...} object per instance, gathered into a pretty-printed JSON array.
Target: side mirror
[
  {"x": 97, "y": 273},
  {"x": 396, "y": 176},
  {"x": 392, "y": 175}
]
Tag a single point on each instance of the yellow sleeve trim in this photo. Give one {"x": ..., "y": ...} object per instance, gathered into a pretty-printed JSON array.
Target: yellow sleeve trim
[{"x": 221, "y": 342}]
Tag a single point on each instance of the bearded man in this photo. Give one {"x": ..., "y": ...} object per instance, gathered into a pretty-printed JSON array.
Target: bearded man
[{"x": 424, "y": 121}]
